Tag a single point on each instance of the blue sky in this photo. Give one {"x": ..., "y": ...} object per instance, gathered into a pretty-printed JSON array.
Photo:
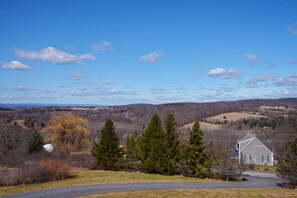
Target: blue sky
[{"x": 122, "y": 52}]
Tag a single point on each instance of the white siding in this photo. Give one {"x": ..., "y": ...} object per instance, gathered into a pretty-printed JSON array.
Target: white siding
[{"x": 259, "y": 152}]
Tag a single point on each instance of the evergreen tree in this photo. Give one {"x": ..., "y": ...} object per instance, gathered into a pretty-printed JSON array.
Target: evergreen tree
[
  {"x": 107, "y": 152},
  {"x": 172, "y": 145},
  {"x": 36, "y": 142},
  {"x": 287, "y": 163},
  {"x": 131, "y": 151},
  {"x": 196, "y": 154},
  {"x": 152, "y": 148}
]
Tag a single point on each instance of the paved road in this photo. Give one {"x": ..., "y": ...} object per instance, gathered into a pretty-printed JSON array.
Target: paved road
[{"x": 253, "y": 182}]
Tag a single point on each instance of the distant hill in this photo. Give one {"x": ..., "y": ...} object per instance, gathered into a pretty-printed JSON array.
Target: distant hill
[{"x": 134, "y": 117}]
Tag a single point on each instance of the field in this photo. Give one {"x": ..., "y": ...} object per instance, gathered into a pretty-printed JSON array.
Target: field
[
  {"x": 233, "y": 116},
  {"x": 216, "y": 122},
  {"x": 219, "y": 193},
  {"x": 101, "y": 177},
  {"x": 204, "y": 126}
]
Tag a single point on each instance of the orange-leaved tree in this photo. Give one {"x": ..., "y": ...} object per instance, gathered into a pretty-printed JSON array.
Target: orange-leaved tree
[{"x": 67, "y": 132}]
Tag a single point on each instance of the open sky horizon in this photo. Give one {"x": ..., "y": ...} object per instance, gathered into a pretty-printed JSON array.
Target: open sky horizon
[{"x": 110, "y": 52}]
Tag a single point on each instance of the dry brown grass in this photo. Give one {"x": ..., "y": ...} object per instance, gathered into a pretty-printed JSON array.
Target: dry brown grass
[
  {"x": 43, "y": 171},
  {"x": 219, "y": 193},
  {"x": 204, "y": 126},
  {"x": 233, "y": 116}
]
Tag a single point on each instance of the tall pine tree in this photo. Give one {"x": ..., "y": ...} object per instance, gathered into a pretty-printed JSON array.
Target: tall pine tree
[
  {"x": 196, "y": 153},
  {"x": 172, "y": 145},
  {"x": 107, "y": 152},
  {"x": 131, "y": 151},
  {"x": 152, "y": 148}
]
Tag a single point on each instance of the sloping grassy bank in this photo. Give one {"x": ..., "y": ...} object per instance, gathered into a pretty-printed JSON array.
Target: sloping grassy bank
[{"x": 89, "y": 177}]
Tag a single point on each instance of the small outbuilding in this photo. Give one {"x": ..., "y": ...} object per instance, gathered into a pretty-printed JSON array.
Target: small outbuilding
[{"x": 253, "y": 151}]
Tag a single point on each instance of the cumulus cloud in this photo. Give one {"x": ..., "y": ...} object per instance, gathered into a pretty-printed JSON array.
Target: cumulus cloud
[
  {"x": 53, "y": 55},
  {"x": 15, "y": 65},
  {"x": 151, "y": 57},
  {"x": 74, "y": 76},
  {"x": 110, "y": 82},
  {"x": 102, "y": 46},
  {"x": 293, "y": 28},
  {"x": 251, "y": 58},
  {"x": 225, "y": 74}
]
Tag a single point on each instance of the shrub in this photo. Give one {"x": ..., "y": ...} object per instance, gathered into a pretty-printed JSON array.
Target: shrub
[
  {"x": 42, "y": 171},
  {"x": 50, "y": 170},
  {"x": 252, "y": 166}
]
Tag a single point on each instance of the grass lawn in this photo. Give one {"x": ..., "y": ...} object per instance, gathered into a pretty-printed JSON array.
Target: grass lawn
[
  {"x": 100, "y": 177},
  {"x": 266, "y": 168},
  {"x": 220, "y": 193}
]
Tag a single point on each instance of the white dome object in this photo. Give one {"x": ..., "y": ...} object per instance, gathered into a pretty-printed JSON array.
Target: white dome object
[{"x": 48, "y": 147}]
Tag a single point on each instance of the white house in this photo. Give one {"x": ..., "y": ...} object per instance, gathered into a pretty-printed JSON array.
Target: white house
[{"x": 253, "y": 151}]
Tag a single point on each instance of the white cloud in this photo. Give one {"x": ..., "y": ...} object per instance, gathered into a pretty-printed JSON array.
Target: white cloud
[
  {"x": 293, "y": 28},
  {"x": 151, "y": 57},
  {"x": 276, "y": 81},
  {"x": 286, "y": 81},
  {"x": 73, "y": 76},
  {"x": 225, "y": 74},
  {"x": 251, "y": 58},
  {"x": 53, "y": 55},
  {"x": 15, "y": 65},
  {"x": 102, "y": 46},
  {"x": 217, "y": 72},
  {"x": 110, "y": 82},
  {"x": 254, "y": 82}
]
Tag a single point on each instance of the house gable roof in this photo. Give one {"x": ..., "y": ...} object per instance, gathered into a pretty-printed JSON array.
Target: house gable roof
[
  {"x": 255, "y": 138},
  {"x": 246, "y": 137}
]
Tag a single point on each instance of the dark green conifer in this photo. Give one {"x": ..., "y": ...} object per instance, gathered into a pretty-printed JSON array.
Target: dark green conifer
[
  {"x": 287, "y": 163},
  {"x": 131, "y": 151},
  {"x": 196, "y": 153},
  {"x": 172, "y": 145},
  {"x": 152, "y": 148},
  {"x": 107, "y": 152},
  {"x": 36, "y": 142}
]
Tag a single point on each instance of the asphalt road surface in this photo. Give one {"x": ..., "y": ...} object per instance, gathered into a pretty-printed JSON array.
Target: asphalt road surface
[{"x": 254, "y": 180}]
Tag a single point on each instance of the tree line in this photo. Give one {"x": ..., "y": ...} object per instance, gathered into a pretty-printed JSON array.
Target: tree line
[{"x": 157, "y": 150}]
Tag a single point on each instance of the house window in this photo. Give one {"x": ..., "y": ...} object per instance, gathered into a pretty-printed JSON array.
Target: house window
[
  {"x": 265, "y": 158},
  {"x": 248, "y": 158}
]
